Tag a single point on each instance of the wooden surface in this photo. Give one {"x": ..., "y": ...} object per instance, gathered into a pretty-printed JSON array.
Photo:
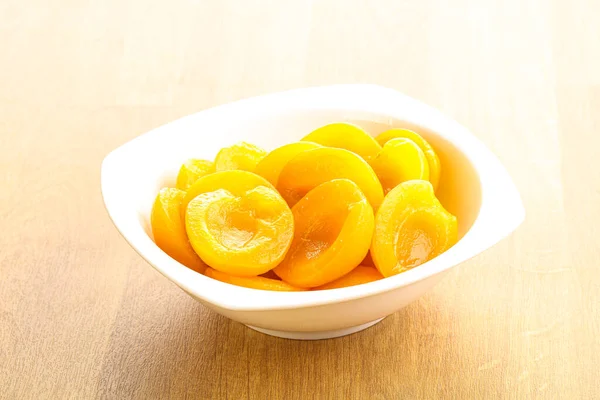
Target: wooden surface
[{"x": 82, "y": 316}]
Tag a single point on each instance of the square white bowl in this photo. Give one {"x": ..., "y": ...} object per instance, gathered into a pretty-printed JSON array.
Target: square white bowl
[{"x": 474, "y": 186}]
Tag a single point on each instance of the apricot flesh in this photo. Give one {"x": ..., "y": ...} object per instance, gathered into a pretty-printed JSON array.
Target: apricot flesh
[
  {"x": 168, "y": 229},
  {"x": 191, "y": 171},
  {"x": 411, "y": 228},
  {"x": 333, "y": 230},
  {"x": 242, "y": 155},
  {"x": 399, "y": 161},
  {"x": 236, "y": 181},
  {"x": 358, "y": 276},
  {"x": 253, "y": 282},
  {"x": 432, "y": 158},
  {"x": 244, "y": 235},
  {"x": 311, "y": 168},
  {"x": 270, "y": 167},
  {"x": 347, "y": 136}
]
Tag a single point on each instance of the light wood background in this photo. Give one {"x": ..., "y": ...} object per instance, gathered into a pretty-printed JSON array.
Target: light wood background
[{"x": 82, "y": 316}]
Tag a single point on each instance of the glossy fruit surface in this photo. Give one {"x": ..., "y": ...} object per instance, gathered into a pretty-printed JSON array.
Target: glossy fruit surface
[
  {"x": 243, "y": 234},
  {"x": 334, "y": 227},
  {"x": 311, "y": 168},
  {"x": 242, "y": 155},
  {"x": 270, "y": 167},
  {"x": 399, "y": 161},
  {"x": 236, "y": 182},
  {"x": 411, "y": 227},
  {"x": 345, "y": 136},
  {"x": 168, "y": 229},
  {"x": 432, "y": 157},
  {"x": 192, "y": 170}
]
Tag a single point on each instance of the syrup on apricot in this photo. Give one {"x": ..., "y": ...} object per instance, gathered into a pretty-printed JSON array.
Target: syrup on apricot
[
  {"x": 236, "y": 181},
  {"x": 411, "y": 228},
  {"x": 333, "y": 230},
  {"x": 243, "y": 235}
]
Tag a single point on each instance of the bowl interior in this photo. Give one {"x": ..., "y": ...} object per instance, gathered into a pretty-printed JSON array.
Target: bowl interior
[{"x": 157, "y": 166}]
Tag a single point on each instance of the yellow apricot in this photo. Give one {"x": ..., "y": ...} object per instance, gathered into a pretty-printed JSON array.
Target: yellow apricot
[
  {"x": 252, "y": 282},
  {"x": 345, "y": 136},
  {"x": 237, "y": 182},
  {"x": 432, "y": 158},
  {"x": 399, "y": 161},
  {"x": 270, "y": 167},
  {"x": 357, "y": 276},
  {"x": 311, "y": 168},
  {"x": 168, "y": 229},
  {"x": 411, "y": 227},
  {"x": 333, "y": 230},
  {"x": 244, "y": 235},
  {"x": 191, "y": 171},
  {"x": 241, "y": 155}
]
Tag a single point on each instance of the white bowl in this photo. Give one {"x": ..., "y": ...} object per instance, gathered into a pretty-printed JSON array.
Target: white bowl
[{"x": 474, "y": 186}]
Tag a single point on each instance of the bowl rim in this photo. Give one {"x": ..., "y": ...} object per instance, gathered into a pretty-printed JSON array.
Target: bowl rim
[{"x": 501, "y": 205}]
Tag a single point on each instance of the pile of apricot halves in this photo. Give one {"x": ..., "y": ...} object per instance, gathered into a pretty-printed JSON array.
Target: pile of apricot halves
[{"x": 338, "y": 208}]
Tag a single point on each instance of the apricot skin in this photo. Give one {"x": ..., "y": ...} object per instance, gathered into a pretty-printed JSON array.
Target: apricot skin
[
  {"x": 168, "y": 229},
  {"x": 311, "y": 168},
  {"x": 254, "y": 282},
  {"x": 411, "y": 228},
  {"x": 333, "y": 230}
]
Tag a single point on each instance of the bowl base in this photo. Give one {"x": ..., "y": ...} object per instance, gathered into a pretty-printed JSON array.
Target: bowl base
[{"x": 316, "y": 335}]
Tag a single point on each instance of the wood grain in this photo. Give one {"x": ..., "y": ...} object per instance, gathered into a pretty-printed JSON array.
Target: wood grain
[{"x": 82, "y": 316}]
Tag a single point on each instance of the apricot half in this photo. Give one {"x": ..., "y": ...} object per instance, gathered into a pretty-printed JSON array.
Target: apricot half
[
  {"x": 399, "y": 161},
  {"x": 241, "y": 155},
  {"x": 253, "y": 282},
  {"x": 236, "y": 181},
  {"x": 270, "y": 167},
  {"x": 411, "y": 227},
  {"x": 169, "y": 230},
  {"x": 357, "y": 276},
  {"x": 243, "y": 235},
  {"x": 432, "y": 158},
  {"x": 191, "y": 171},
  {"x": 346, "y": 136},
  {"x": 333, "y": 230},
  {"x": 311, "y": 168}
]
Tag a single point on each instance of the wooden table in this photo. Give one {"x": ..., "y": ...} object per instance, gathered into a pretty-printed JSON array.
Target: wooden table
[{"x": 82, "y": 316}]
